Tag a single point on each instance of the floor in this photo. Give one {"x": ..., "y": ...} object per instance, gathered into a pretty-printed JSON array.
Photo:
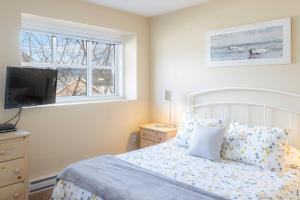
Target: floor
[{"x": 43, "y": 195}]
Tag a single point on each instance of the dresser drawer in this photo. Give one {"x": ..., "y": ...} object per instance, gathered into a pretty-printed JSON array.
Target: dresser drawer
[
  {"x": 12, "y": 150},
  {"x": 152, "y": 135},
  {"x": 13, "y": 192},
  {"x": 12, "y": 172},
  {"x": 147, "y": 143}
]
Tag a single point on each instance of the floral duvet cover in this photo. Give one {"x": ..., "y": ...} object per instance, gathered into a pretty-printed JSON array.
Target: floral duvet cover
[{"x": 233, "y": 180}]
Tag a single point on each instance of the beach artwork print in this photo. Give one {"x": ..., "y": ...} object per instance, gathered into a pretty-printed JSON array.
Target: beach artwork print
[{"x": 256, "y": 44}]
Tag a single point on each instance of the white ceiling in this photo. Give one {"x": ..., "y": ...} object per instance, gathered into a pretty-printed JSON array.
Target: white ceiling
[{"x": 148, "y": 8}]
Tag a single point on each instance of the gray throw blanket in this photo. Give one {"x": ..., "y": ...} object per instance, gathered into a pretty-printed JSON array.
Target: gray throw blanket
[{"x": 113, "y": 179}]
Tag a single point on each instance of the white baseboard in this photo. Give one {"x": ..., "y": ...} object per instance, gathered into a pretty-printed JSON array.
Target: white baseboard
[{"x": 42, "y": 183}]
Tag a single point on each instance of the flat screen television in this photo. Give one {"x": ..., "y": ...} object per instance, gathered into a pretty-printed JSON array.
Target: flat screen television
[{"x": 26, "y": 87}]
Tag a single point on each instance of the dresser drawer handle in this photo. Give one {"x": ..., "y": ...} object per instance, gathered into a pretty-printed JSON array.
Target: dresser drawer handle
[
  {"x": 17, "y": 170},
  {"x": 2, "y": 152},
  {"x": 17, "y": 195}
]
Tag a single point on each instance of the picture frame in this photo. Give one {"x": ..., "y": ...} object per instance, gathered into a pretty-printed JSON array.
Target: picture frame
[{"x": 264, "y": 43}]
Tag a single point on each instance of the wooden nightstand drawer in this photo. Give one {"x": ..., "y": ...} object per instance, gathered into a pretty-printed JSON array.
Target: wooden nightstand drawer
[
  {"x": 12, "y": 150},
  {"x": 12, "y": 172},
  {"x": 147, "y": 143},
  {"x": 152, "y": 135},
  {"x": 13, "y": 192}
]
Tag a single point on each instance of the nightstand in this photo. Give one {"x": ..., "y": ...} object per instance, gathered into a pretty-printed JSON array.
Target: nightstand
[{"x": 152, "y": 134}]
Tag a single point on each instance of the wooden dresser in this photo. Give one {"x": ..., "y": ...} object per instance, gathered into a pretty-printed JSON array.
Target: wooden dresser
[
  {"x": 152, "y": 134},
  {"x": 14, "y": 165}
]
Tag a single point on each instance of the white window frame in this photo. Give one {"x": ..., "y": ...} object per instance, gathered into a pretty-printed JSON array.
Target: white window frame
[{"x": 90, "y": 38}]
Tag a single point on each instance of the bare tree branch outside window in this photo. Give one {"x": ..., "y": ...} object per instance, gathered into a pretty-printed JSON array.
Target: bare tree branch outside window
[
  {"x": 36, "y": 48},
  {"x": 103, "y": 79},
  {"x": 71, "y": 60},
  {"x": 69, "y": 51}
]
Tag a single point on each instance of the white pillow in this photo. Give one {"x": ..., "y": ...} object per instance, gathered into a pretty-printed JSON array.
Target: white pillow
[
  {"x": 206, "y": 142},
  {"x": 257, "y": 145},
  {"x": 188, "y": 123}
]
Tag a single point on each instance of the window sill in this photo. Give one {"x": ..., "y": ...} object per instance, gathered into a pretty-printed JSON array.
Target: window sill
[{"x": 87, "y": 100}]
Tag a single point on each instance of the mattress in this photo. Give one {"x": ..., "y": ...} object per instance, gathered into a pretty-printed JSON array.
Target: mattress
[{"x": 230, "y": 179}]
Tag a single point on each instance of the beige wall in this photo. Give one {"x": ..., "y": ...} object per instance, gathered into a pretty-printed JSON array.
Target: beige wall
[
  {"x": 178, "y": 51},
  {"x": 65, "y": 134}
]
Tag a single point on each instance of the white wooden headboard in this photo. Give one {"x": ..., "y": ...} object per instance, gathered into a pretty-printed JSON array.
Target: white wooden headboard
[{"x": 251, "y": 105}]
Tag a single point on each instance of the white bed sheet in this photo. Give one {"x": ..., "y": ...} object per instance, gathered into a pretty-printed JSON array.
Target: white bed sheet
[{"x": 230, "y": 179}]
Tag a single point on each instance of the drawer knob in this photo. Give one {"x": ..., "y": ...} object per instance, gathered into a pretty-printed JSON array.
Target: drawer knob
[
  {"x": 17, "y": 170},
  {"x": 2, "y": 152},
  {"x": 17, "y": 195}
]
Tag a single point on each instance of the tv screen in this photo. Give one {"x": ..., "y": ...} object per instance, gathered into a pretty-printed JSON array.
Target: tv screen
[{"x": 27, "y": 87}]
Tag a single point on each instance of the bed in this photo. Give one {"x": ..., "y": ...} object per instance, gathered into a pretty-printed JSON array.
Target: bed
[{"x": 229, "y": 179}]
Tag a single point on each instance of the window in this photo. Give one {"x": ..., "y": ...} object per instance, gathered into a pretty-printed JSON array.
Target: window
[{"x": 87, "y": 68}]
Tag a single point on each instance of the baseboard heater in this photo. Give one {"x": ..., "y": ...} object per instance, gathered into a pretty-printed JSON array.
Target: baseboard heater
[{"x": 42, "y": 184}]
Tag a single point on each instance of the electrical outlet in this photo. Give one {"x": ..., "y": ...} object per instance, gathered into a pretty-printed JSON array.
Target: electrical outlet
[{"x": 134, "y": 138}]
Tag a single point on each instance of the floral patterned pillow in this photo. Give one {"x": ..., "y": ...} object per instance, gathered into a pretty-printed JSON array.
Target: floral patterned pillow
[
  {"x": 261, "y": 146},
  {"x": 189, "y": 122}
]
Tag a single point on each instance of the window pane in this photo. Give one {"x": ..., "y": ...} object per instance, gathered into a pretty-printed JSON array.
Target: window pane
[
  {"x": 103, "y": 54},
  {"x": 36, "y": 48},
  {"x": 71, "y": 82},
  {"x": 103, "y": 81},
  {"x": 71, "y": 51}
]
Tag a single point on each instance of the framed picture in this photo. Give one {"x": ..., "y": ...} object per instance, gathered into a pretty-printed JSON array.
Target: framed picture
[{"x": 255, "y": 44}]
